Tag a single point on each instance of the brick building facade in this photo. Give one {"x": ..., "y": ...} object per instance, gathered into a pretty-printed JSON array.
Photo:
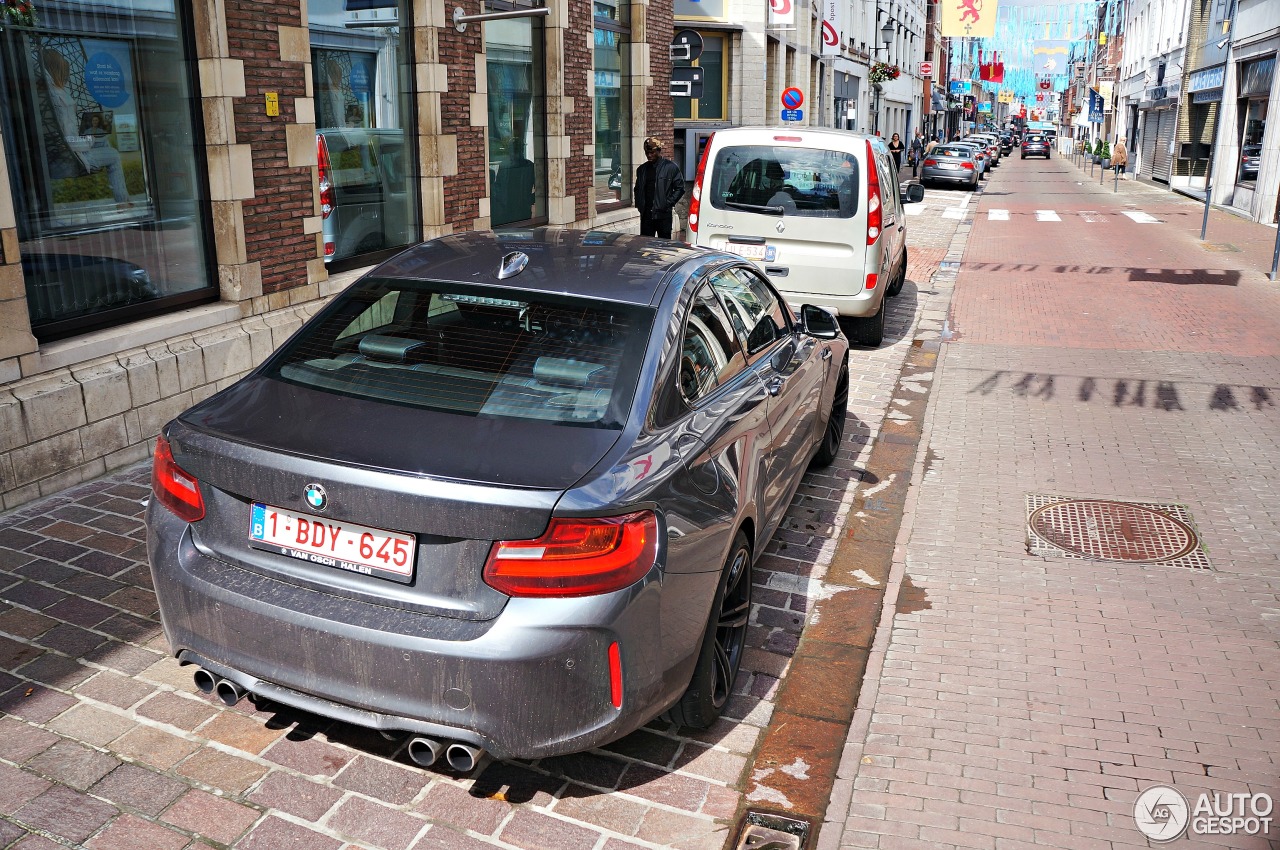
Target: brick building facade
[{"x": 181, "y": 189}]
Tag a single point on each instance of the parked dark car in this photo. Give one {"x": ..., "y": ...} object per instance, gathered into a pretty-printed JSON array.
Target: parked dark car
[
  {"x": 1250, "y": 158},
  {"x": 953, "y": 163},
  {"x": 63, "y": 286},
  {"x": 1035, "y": 144},
  {"x": 504, "y": 493}
]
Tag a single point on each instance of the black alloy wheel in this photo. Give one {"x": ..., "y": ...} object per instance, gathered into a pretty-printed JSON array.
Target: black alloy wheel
[
  {"x": 722, "y": 644},
  {"x": 833, "y": 436}
]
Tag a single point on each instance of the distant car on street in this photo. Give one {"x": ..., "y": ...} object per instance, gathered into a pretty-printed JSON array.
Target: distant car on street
[
  {"x": 1035, "y": 144},
  {"x": 503, "y": 493},
  {"x": 950, "y": 164}
]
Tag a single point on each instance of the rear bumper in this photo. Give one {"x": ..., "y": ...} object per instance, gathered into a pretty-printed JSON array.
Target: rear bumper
[
  {"x": 950, "y": 176},
  {"x": 533, "y": 681}
]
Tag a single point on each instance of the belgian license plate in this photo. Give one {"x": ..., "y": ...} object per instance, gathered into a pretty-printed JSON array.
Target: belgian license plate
[
  {"x": 753, "y": 251},
  {"x": 333, "y": 543},
  {"x": 950, "y": 165}
]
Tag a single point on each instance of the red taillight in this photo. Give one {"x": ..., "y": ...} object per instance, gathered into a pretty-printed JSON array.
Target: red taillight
[
  {"x": 872, "y": 280},
  {"x": 967, "y": 165},
  {"x": 695, "y": 199},
  {"x": 874, "y": 213},
  {"x": 326, "y": 184},
  {"x": 930, "y": 162},
  {"x": 174, "y": 487},
  {"x": 615, "y": 675},
  {"x": 576, "y": 557},
  {"x": 330, "y": 248}
]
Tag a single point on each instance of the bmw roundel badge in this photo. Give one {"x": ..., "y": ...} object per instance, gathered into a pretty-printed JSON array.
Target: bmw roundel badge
[{"x": 315, "y": 496}]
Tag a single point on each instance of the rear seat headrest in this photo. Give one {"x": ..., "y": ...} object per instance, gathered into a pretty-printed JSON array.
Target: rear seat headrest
[{"x": 565, "y": 373}]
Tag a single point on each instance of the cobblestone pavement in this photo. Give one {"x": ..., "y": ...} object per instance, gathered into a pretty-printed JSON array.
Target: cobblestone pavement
[
  {"x": 1026, "y": 700},
  {"x": 106, "y": 744}
]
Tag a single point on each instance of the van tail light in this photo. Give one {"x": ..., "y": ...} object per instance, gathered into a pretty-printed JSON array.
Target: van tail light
[
  {"x": 695, "y": 199},
  {"x": 872, "y": 280},
  {"x": 576, "y": 557},
  {"x": 174, "y": 487},
  {"x": 326, "y": 181},
  {"x": 968, "y": 166},
  {"x": 930, "y": 162},
  {"x": 874, "y": 203}
]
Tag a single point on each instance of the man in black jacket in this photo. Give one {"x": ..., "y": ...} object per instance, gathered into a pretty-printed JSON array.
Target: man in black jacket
[{"x": 659, "y": 185}]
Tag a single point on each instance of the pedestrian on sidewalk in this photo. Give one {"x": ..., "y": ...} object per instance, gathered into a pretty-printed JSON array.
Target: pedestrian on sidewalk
[
  {"x": 659, "y": 185},
  {"x": 915, "y": 153},
  {"x": 1119, "y": 156},
  {"x": 896, "y": 147}
]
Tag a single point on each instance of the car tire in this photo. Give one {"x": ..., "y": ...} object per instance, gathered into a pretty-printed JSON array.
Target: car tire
[
  {"x": 723, "y": 643},
  {"x": 833, "y": 436},
  {"x": 900, "y": 278},
  {"x": 870, "y": 330}
]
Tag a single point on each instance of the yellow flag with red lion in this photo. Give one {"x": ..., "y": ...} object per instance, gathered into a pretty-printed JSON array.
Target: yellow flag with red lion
[{"x": 969, "y": 18}]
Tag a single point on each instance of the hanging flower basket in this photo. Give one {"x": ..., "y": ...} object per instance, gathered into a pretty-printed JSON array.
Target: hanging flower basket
[
  {"x": 883, "y": 72},
  {"x": 18, "y": 13}
]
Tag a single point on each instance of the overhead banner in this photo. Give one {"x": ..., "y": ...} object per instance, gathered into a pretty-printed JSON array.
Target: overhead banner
[
  {"x": 1051, "y": 57},
  {"x": 832, "y": 29},
  {"x": 969, "y": 18},
  {"x": 782, "y": 13}
]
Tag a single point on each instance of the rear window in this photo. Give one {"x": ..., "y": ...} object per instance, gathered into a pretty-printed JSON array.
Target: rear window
[
  {"x": 474, "y": 351},
  {"x": 962, "y": 153},
  {"x": 806, "y": 182}
]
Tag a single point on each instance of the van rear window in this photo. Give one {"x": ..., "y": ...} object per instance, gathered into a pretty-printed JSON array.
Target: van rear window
[{"x": 793, "y": 181}]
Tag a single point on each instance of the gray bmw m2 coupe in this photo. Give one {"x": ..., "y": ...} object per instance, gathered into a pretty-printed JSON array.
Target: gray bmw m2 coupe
[{"x": 502, "y": 494}]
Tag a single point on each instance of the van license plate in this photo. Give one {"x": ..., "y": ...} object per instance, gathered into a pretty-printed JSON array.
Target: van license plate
[
  {"x": 333, "y": 543},
  {"x": 752, "y": 251}
]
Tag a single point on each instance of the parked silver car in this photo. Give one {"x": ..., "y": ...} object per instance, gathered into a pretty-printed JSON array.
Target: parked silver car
[
  {"x": 504, "y": 493},
  {"x": 955, "y": 164}
]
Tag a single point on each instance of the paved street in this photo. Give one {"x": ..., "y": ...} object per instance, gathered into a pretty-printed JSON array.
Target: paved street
[
  {"x": 1010, "y": 700},
  {"x": 1094, "y": 349}
]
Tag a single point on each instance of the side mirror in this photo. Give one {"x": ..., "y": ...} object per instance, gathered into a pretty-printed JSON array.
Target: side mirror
[
  {"x": 817, "y": 322},
  {"x": 912, "y": 193}
]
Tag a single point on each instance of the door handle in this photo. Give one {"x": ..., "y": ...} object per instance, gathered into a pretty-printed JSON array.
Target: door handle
[
  {"x": 773, "y": 386},
  {"x": 826, "y": 354}
]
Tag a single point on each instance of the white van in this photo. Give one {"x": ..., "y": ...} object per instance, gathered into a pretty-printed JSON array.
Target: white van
[{"x": 818, "y": 210}]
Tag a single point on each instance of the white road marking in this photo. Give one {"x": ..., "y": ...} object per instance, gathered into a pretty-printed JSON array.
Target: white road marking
[
  {"x": 1047, "y": 215},
  {"x": 953, "y": 212},
  {"x": 997, "y": 215},
  {"x": 914, "y": 209},
  {"x": 1140, "y": 217}
]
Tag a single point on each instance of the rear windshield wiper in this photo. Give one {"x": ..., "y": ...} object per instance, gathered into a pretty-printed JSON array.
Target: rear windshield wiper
[{"x": 755, "y": 208}]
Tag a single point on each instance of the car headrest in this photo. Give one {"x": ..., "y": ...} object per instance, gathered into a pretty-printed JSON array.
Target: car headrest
[
  {"x": 392, "y": 349},
  {"x": 565, "y": 373}
]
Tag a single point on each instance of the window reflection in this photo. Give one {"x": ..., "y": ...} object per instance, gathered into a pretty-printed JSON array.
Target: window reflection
[
  {"x": 612, "y": 102},
  {"x": 517, "y": 120},
  {"x": 364, "y": 155},
  {"x": 103, "y": 163}
]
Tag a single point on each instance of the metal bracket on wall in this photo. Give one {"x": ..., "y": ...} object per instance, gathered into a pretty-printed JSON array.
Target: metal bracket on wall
[{"x": 461, "y": 18}]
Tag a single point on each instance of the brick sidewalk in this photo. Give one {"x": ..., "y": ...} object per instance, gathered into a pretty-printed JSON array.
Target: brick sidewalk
[{"x": 1026, "y": 701}]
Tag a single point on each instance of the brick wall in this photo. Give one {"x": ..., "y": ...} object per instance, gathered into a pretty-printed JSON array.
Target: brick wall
[
  {"x": 462, "y": 193},
  {"x": 660, "y": 28},
  {"x": 579, "y": 61},
  {"x": 283, "y": 195}
]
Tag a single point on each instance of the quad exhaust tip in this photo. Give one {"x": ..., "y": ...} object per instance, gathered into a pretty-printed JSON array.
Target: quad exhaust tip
[
  {"x": 463, "y": 757},
  {"x": 228, "y": 691},
  {"x": 424, "y": 751}
]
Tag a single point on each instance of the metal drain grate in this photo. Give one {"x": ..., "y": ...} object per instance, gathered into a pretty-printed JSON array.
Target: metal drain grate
[
  {"x": 767, "y": 831},
  {"x": 1110, "y": 530}
]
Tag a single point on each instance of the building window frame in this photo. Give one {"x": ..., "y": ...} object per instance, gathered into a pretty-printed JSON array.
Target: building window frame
[
  {"x": 618, "y": 178},
  {"x": 695, "y": 108}
]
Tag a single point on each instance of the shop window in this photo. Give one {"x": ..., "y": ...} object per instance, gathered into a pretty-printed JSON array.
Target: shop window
[
  {"x": 517, "y": 120},
  {"x": 104, "y": 154},
  {"x": 715, "y": 82},
  {"x": 364, "y": 129},
  {"x": 612, "y": 180},
  {"x": 1253, "y": 125}
]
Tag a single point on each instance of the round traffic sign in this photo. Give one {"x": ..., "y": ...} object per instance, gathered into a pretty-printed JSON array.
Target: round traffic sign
[
  {"x": 926, "y": 69},
  {"x": 792, "y": 98}
]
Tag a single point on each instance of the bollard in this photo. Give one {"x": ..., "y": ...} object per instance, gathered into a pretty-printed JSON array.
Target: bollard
[{"x": 1116, "y": 187}]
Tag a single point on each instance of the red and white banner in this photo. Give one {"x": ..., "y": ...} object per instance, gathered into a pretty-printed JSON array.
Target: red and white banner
[
  {"x": 832, "y": 27},
  {"x": 782, "y": 12}
]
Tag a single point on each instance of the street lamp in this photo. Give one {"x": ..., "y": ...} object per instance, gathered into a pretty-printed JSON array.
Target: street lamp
[{"x": 886, "y": 33}]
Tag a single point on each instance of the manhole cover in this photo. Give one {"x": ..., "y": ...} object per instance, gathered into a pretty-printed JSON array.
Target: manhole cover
[{"x": 1109, "y": 530}]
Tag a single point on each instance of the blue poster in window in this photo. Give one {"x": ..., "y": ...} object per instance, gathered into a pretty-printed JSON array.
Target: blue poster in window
[{"x": 106, "y": 77}]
